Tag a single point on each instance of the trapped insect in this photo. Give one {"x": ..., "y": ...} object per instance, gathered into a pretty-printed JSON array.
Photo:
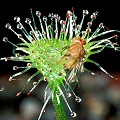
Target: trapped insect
[{"x": 74, "y": 58}]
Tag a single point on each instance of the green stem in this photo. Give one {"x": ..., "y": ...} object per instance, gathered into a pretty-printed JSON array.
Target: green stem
[{"x": 59, "y": 108}]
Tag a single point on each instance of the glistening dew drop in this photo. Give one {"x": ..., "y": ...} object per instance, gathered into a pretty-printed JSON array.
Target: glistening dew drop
[{"x": 58, "y": 51}]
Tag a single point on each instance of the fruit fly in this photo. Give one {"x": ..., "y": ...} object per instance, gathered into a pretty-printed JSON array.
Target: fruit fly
[{"x": 74, "y": 59}]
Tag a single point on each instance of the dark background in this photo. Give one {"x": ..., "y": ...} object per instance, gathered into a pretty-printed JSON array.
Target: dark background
[
  {"x": 108, "y": 14},
  {"x": 94, "y": 89}
]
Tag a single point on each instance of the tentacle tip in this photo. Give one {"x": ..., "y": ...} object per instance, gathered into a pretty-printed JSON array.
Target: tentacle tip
[
  {"x": 78, "y": 99},
  {"x": 18, "y": 94},
  {"x": 10, "y": 79},
  {"x": 2, "y": 89},
  {"x": 44, "y": 111},
  {"x": 118, "y": 80},
  {"x": 58, "y": 93},
  {"x": 115, "y": 36},
  {"x": 34, "y": 84},
  {"x": 28, "y": 94},
  {"x": 73, "y": 114},
  {"x": 54, "y": 113},
  {"x": 68, "y": 94}
]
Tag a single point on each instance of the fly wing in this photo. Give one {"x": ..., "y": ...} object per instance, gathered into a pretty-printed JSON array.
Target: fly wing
[{"x": 72, "y": 76}]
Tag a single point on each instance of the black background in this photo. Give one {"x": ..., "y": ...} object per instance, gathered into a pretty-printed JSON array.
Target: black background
[{"x": 108, "y": 14}]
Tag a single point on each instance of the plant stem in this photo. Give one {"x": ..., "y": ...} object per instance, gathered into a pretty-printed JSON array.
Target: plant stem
[{"x": 59, "y": 108}]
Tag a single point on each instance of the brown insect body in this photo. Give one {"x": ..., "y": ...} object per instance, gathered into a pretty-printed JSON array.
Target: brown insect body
[
  {"x": 74, "y": 56},
  {"x": 75, "y": 53}
]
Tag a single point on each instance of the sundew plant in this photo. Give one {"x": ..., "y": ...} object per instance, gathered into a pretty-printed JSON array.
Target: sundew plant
[{"x": 58, "y": 49}]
